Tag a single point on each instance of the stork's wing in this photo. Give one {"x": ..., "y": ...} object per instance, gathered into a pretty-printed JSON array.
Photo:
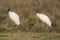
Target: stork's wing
[
  {"x": 14, "y": 17},
  {"x": 45, "y": 19}
]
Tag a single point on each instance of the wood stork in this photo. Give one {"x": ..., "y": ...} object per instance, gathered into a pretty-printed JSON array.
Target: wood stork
[
  {"x": 14, "y": 17},
  {"x": 44, "y": 18}
]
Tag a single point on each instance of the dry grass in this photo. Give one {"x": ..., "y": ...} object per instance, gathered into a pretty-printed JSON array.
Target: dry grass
[{"x": 29, "y": 36}]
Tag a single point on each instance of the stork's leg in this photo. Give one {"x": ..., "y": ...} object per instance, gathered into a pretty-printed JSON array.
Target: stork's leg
[
  {"x": 48, "y": 28},
  {"x": 45, "y": 27},
  {"x": 13, "y": 27}
]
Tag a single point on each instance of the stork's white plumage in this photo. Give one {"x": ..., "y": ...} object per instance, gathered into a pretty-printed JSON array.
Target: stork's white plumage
[
  {"x": 14, "y": 17},
  {"x": 44, "y": 18}
]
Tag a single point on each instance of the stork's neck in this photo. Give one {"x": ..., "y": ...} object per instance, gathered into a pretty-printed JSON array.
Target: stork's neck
[
  {"x": 10, "y": 11},
  {"x": 38, "y": 13}
]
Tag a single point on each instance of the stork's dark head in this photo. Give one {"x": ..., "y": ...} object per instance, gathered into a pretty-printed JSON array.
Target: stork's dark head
[
  {"x": 37, "y": 10},
  {"x": 8, "y": 9}
]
